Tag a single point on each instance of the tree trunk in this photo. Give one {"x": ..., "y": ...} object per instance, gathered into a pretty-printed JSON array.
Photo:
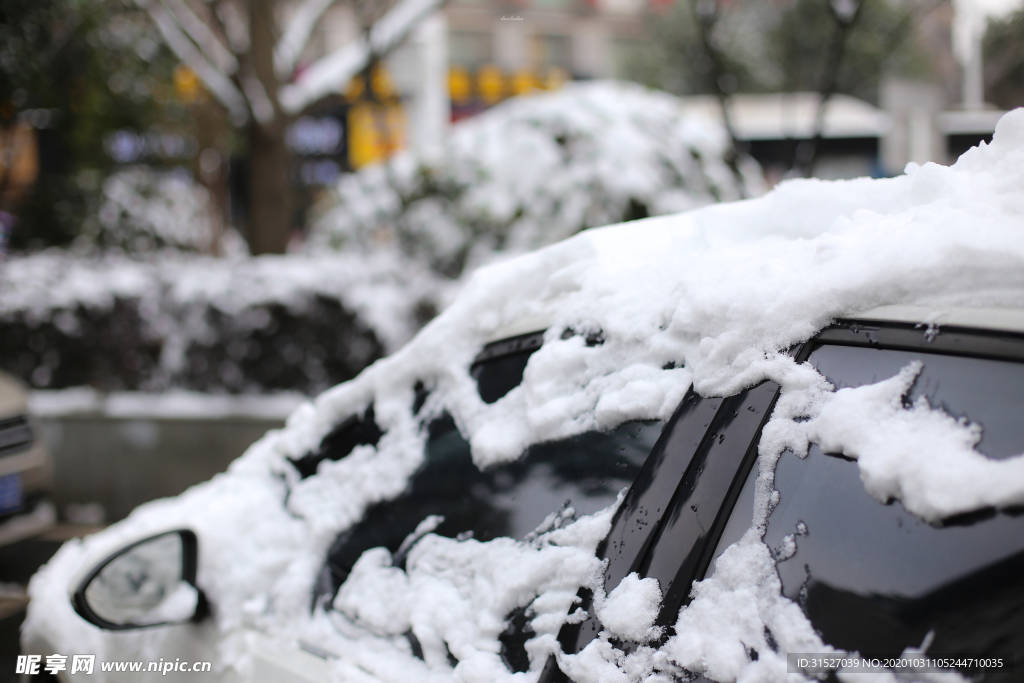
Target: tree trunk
[
  {"x": 268, "y": 222},
  {"x": 269, "y": 212}
]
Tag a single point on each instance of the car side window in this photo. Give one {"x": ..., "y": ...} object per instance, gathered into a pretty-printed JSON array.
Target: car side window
[
  {"x": 875, "y": 579},
  {"x": 500, "y": 366},
  {"x": 585, "y": 472},
  {"x": 357, "y": 430}
]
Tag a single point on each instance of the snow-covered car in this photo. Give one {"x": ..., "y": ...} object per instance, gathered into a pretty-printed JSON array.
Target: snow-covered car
[
  {"x": 26, "y": 471},
  {"x": 774, "y": 440}
]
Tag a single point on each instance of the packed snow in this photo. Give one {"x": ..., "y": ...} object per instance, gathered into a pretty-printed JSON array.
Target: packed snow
[
  {"x": 535, "y": 170},
  {"x": 711, "y": 297}
]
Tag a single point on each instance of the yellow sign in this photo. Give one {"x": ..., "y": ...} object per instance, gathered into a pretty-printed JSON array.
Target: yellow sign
[
  {"x": 460, "y": 88},
  {"x": 555, "y": 78},
  {"x": 490, "y": 83},
  {"x": 354, "y": 89},
  {"x": 19, "y": 160},
  {"x": 186, "y": 84},
  {"x": 524, "y": 82},
  {"x": 380, "y": 79},
  {"x": 375, "y": 132}
]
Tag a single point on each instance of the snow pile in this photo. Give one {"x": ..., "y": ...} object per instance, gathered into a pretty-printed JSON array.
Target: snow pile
[
  {"x": 709, "y": 296},
  {"x": 269, "y": 323},
  {"x": 457, "y": 595},
  {"x": 536, "y": 170},
  {"x": 630, "y": 609}
]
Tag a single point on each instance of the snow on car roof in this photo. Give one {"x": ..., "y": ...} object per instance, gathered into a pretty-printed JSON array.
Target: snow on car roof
[{"x": 708, "y": 298}]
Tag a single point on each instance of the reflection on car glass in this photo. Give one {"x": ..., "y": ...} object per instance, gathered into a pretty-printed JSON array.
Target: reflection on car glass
[
  {"x": 988, "y": 392},
  {"x": 875, "y": 578},
  {"x": 586, "y": 472}
]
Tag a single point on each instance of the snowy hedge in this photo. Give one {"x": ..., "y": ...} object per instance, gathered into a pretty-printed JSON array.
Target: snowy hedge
[
  {"x": 142, "y": 209},
  {"x": 536, "y": 170},
  {"x": 269, "y": 323}
]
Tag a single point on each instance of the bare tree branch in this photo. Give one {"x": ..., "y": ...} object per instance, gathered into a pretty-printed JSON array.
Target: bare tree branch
[
  {"x": 845, "y": 14},
  {"x": 296, "y": 35},
  {"x": 706, "y": 13},
  {"x": 259, "y": 101},
  {"x": 230, "y": 20},
  {"x": 216, "y": 81},
  {"x": 330, "y": 74},
  {"x": 198, "y": 30}
]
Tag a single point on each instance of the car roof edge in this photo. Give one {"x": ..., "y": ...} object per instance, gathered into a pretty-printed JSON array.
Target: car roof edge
[{"x": 1002, "y": 319}]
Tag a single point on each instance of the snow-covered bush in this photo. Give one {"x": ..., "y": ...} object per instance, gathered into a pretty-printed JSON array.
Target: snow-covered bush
[
  {"x": 195, "y": 322},
  {"x": 142, "y": 209},
  {"x": 536, "y": 170}
]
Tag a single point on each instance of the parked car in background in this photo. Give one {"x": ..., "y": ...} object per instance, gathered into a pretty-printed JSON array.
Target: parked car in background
[
  {"x": 696, "y": 447},
  {"x": 26, "y": 470}
]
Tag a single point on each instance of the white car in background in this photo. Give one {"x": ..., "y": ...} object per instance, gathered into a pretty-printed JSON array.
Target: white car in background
[
  {"x": 724, "y": 445},
  {"x": 26, "y": 471}
]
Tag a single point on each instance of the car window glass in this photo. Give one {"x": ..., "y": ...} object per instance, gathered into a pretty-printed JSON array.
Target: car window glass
[
  {"x": 876, "y": 579},
  {"x": 356, "y": 430},
  {"x": 585, "y": 472},
  {"x": 499, "y": 367},
  {"x": 500, "y": 376}
]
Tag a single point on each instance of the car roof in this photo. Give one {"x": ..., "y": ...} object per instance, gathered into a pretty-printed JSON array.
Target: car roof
[{"x": 1000, "y": 319}]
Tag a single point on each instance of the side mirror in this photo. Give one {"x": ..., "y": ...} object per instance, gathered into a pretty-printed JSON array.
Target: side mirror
[{"x": 151, "y": 582}]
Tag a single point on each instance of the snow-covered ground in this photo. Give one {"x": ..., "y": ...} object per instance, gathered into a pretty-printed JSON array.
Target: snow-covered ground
[
  {"x": 708, "y": 297},
  {"x": 535, "y": 170}
]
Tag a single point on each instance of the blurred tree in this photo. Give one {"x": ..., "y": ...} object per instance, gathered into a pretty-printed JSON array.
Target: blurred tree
[
  {"x": 1004, "y": 61},
  {"x": 70, "y": 73},
  {"x": 249, "y": 61},
  {"x": 879, "y": 39},
  {"x": 828, "y": 46},
  {"x": 779, "y": 46}
]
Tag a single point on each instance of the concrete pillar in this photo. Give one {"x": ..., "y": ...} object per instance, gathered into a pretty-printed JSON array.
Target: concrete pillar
[
  {"x": 511, "y": 43},
  {"x": 419, "y": 69},
  {"x": 431, "y": 108},
  {"x": 591, "y": 49},
  {"x": 914, "y": 135}
]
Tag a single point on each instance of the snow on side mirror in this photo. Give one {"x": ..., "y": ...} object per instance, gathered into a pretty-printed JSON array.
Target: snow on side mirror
[{"x": 151, "y": 582}]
